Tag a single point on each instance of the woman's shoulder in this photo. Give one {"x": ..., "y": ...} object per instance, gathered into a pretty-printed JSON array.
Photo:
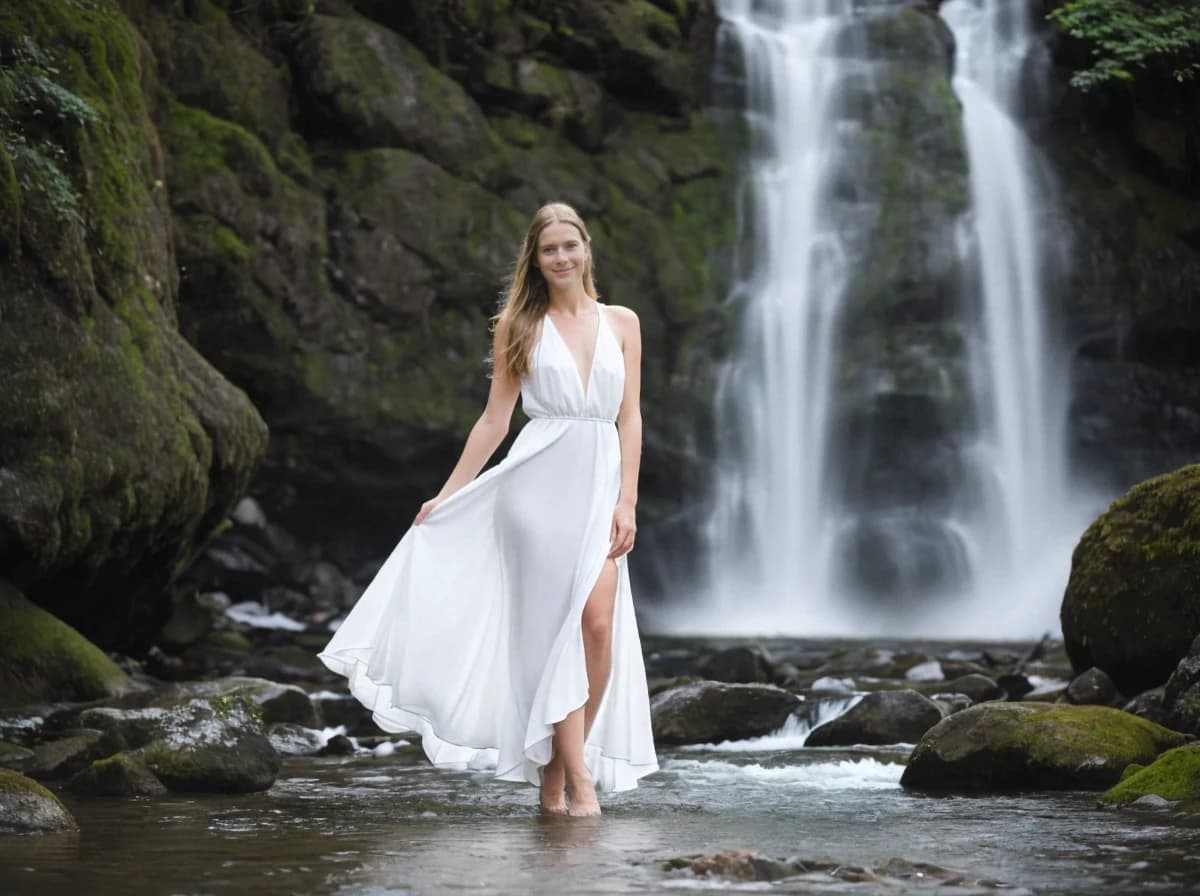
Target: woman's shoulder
[{"x": 625, "y": 316}]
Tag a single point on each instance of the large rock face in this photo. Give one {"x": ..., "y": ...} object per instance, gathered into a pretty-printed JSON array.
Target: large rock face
[
  {"x": 343, "y": 229},
  {"x": 121, "y": 448},
  {"x": 1132, "y": 604}
]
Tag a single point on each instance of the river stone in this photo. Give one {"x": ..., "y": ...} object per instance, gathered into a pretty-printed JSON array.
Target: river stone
[
  {"x": 1092, "y": 688},
  {"x": 214, "y": 744},
  {"x": 978, "y": 687},
  {"x": 713, "y": 711},
  {"x": 1181, "y": 697},
  {"x": 27, "y": 807},
  {"x": 951, "y": 703},
  {"x": 44, "y": 659},
  {"x": 1149, "y": 705},
  {"x": 14, "y": 757},
  {"x": 742, "y": 664},
  {"x": 276, "y": 702},
  {"x": 124, "y": 774},
  {"x": 347, "y": 711},
  {"x": 1174, "y": 776},
  {"x": 883, "y": 717},
  {"x": 1132, "y": 603},
  {"x": 295, "y": 740},
  {"x": 1033, "y": 746},
  {"x": 67, "y": 754}
]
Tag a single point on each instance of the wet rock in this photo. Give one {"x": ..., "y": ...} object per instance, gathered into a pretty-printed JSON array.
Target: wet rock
[
  {"x": 44, "y": 659},
  {"x": 1181, "y": 697},
  {"x": 742, "y": 864},
  {"x": 978, "y": 687},
  {"x": 15, "y": 757},
  {"x": 124, "y": 774},
  {"x": 1149, "y": 705},
  {"x": 203, "y": 745},
  {"x": 65, "y": 755},
  {"x": 951, "y": 703},
  {"x": 884, "y": 717},
  {"x": 1015, "y": 685},
  {"x": 26, "y": 807},
  {"x": 276, "y": 702},
  {"x": 713, "y": 711},
  {"x": 1132, "y": 603},
  {"x": 345, "y": 710},
  {"x": 752, "y": 866},
  {"x": 1093, "y": 688},
  {"x": 338, "y": 745},
  {"x": 191, "y": 621},
  {"x": 743, "y": 664},
  {"x": 1173, "y": 776},
  {"x": 1031, "y": 746},
  {"x": 295, "y": 740}
]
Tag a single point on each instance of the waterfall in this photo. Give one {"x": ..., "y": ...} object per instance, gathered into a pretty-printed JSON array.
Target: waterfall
[{"x": 877, "y": 476}]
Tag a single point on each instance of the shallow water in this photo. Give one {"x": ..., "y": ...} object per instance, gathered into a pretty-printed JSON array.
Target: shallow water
[{"x": 391, "y": 825}]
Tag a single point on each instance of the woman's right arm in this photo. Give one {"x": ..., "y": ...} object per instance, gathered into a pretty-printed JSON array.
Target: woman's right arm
[{"x": 487, "y": 433}]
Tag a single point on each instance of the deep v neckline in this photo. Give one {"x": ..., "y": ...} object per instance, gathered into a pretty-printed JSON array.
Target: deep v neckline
[{"x": 584, "y": 386}]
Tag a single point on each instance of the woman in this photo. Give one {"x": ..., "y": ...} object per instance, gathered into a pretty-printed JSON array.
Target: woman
[{"x": 503, "y": 621}]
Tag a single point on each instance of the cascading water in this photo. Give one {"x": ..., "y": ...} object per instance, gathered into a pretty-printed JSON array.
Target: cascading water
[{"x": 891, "y": 425}]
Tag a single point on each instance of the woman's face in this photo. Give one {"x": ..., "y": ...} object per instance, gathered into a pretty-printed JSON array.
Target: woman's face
[{"x": 561, "y": 255}]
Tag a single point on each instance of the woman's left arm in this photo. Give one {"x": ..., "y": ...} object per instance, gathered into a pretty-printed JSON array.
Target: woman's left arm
[{"x": 629, "y": 432}]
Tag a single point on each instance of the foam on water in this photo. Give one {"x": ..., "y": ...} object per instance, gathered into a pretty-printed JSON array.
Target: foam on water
[{"x": 850, "y": 774}]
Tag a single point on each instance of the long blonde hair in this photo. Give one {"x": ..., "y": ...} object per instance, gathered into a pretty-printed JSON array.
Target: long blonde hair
[{"x": 527, "y": 297}]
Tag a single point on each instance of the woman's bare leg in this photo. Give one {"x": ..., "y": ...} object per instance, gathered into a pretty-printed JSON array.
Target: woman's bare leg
[
  {"x": 570, "y": 734},
  {"x": 553, "y": 794}
]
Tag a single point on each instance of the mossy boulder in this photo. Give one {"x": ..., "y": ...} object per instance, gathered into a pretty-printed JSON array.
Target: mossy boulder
[
  {"x": 1132, "y": 603},
  {"x": 710, "y": 711},
  {"x": 1031, "y": 746},
  {"x": 275, "y": 702},
  {"x": 123, "y": 448},
  {"x": 26, "y": 807},
  {"x": 42, "y": 659},
  {"x": 1174, "y": 776},
  {"x": 123, "y": 774},
  {"x": 211, "y": 745}
]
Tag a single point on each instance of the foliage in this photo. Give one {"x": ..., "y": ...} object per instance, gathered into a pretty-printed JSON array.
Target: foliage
[
  {"x": 32, "y": 106},
  {"x": 1129, "y": 35}
]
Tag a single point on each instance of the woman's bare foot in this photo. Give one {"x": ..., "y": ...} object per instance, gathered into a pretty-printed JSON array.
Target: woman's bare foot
[
  {"x": 552, "y": 797},
  {"x": 581, "y": 795}
]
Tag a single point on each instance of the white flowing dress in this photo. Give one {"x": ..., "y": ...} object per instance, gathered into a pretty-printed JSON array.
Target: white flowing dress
[{"x": 470, "y": 634}]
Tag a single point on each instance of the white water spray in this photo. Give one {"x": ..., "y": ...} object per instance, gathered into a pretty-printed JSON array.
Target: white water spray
[{"x": 774, "y": 526}]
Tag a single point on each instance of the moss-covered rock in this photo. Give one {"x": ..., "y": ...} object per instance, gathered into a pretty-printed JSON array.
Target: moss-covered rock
[
  {"x": 1132, "y": 603},
  {"x": 1030, "y": 746},
  {"x": 375, "y": 88},
  {"x": 1174, "y": 776},
  {"x": 42, "y": 659},
  {"x": 213, "y": 745},
  {"x": 123, "y": 448},
  {"x": 26, "y": 807},
  {"x": 123, "y": 774}
]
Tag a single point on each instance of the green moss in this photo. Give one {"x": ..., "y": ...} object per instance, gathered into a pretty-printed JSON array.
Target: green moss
[
  {"x": 10, "y": 206},
  {"x": 1072, "y": 735},
  {"x": 42, "y": 658},
  {"x": 1175, "y": 775},
  {"x": 1132, "y": 604}
]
